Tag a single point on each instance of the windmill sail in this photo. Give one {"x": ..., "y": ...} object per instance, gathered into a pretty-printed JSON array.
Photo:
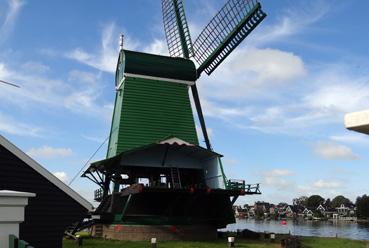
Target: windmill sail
[
  {"x": 176, "y": 29},
  {"x": 229, "y": 27}
]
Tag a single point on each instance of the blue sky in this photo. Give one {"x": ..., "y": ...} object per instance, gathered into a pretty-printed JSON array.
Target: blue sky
[{"x": 274, "y": 108}]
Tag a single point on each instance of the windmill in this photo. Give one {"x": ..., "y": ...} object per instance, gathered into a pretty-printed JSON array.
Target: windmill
[
  {"x": 155, "y": 173},
  {"x": 228, "y": 28}
]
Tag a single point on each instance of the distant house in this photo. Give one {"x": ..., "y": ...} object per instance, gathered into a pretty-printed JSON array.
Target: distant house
[
  {"x": 289, "y": 211},
  {"x": 273, "y": 210},
  {"x": 261, "y": 207},
  {"x": 346, "y": 210},
  {"x": 240, "y": 212},
  {"x": 308, "y": 213},
  {"x": 321, "y": 209},
  {"x": 251, "y": 212},
  {"x": 55, "y": 207}
]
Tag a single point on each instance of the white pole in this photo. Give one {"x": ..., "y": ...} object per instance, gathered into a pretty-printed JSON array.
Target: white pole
[{"x": 12, "y": 206}]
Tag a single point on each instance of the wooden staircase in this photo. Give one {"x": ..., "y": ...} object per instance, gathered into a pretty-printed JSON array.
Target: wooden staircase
[
  {"x": 98, "y": 230},
  {"x": 176, "y": 178}
]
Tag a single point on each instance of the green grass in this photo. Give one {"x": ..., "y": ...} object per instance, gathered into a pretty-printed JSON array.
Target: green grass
[
  {"x": 312, "y": 242},
  {"x": 307, "y": 242},
  {"x": 95, "y": 243}
]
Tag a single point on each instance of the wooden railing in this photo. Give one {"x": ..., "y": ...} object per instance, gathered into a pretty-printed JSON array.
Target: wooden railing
[
  {"x": 248, "y": 189},
  {"x": 14, "y": 242}
]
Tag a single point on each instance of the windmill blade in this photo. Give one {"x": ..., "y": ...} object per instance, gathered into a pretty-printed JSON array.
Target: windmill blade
[
  {"x": 176, "y": 29},
  {"x": 14, "y": 85},
  {"x": 229, "y": 27}
]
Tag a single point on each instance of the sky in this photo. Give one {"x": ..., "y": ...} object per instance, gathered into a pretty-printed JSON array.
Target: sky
[{"x": 274, "y": 108}]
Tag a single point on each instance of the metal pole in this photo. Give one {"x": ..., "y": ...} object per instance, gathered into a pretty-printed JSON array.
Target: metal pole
[{"x": 14, "y": 85}]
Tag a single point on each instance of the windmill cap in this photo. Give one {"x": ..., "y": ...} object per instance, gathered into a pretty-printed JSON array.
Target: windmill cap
[{"x": 139, "y": 63}]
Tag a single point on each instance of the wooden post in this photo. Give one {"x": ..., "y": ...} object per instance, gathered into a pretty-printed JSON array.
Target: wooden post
[
  {"x": 272, "y": 237},
  {"x": 231, "y": 242},
  {"x": 153, "y": 243}
]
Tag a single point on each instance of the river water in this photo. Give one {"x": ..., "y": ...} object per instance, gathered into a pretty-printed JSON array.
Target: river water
[{"x": 342, "y": 229}]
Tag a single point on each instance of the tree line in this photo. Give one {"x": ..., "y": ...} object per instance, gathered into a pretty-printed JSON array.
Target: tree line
[{"x": 312, "y": 202}]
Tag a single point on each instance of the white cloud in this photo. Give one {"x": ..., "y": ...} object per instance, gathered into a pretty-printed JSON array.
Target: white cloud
[
  {"x": 85, "y": 77},
  {"x": 293, "y": 21},
  {"x": 249, "y": 72},
  {"x": 327, "y": 188},
  {"x": 331, "y": 151},
  {"x": 7, "y": 25},
  {"x": 267, "y": 64},
  {"x": 351, "y": 138},
  {"x": 200, "y": 135},
  {"x": 48, "y": 152},
  {"x": 316, "y": 101},
  {"x": 277, "y": 178},
  {"x": 157, "y": 47},
  {"x": 106, "y": 58},
  {"x": 33, "y": 66},
  {"x": 62, "y": 176},
  {"x": 230, "y": 161},
  {"x": 81, "y": 93},
  {"x": 324, "y": 184},
  {"x": 15, "y": 127},
  {"x": 92, "y": 138},
  {"x": 212, "y": 109},
  {"x": 336, "y": 94}
]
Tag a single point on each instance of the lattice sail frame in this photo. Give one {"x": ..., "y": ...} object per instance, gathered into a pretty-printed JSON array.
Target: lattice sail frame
[
  {"x": 176, "y": 29},
  {"x": 229, "y": 27}
]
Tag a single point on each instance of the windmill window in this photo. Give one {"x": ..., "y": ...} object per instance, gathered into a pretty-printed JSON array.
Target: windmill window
[
  {"x": 163, "y": 179},
  {"x": 144, "y": 181}
]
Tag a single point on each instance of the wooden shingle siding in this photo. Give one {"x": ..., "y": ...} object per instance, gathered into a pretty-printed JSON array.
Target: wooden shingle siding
[
  {"x": 147, "y": 111},
  {"x": 49, "y": 213}
]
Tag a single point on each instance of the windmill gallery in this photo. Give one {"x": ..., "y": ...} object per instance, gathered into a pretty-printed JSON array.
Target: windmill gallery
[{"x": 156, "y": 179}]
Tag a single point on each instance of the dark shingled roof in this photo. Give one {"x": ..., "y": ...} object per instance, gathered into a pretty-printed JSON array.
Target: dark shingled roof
[{"x": 159, "y": 66}]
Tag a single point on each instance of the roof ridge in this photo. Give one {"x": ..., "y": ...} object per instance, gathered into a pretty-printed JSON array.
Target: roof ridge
[{"x": 44, "y": 172}]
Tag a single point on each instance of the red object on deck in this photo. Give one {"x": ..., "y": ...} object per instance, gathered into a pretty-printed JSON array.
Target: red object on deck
[
  {"x": 173, "y": 229},
  {"x": 192, "y": 190},
  {"x": 283, "y": 222},
  {"x": 118, "y": 228},
  {"x": 208, "y": 190}
]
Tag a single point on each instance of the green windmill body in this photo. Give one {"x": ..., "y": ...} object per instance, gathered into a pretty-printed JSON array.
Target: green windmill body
[
  {"x": 156, "y": 172},
  {"x": 152, "y": 101}
]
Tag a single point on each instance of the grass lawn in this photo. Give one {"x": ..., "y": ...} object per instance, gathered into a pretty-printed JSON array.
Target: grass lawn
[
  {"x": 307, "y": 242},
  {"x": 94, "y": 243},
  {"x": 312, "y": 242}
]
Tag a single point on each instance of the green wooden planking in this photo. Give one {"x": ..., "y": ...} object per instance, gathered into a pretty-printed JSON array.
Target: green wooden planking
[{"x": 147, "y": 111}]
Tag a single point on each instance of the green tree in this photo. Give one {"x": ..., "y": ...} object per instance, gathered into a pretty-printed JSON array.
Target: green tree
[
  {"x": 338, "y": 200},
  {"x": 300, "y": 201},
  {"x": 362, "y": 207},
  {"x": 314, "y": 201},
  {"x": 328, "y": 203}
]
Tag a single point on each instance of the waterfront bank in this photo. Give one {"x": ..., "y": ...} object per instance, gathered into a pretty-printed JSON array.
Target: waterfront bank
[
  {"x": 307, "y": 242},
  {"x": 341, "y": 229}
]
